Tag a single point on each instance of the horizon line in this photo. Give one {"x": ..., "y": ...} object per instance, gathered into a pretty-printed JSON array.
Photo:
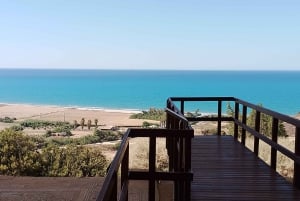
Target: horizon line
[{"x": 144, "y": 69}]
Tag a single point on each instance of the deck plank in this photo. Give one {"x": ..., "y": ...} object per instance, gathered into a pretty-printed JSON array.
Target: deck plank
[{"x": 225, "y": 170}]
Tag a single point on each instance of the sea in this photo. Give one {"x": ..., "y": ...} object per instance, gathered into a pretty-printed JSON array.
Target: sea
[{"x": 137, "y": 90}]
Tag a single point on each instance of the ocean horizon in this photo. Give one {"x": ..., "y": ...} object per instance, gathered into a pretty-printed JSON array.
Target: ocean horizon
[{"x": 136, "y": 90}]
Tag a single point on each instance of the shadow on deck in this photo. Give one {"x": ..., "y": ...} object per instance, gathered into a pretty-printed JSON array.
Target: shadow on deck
[{"x": 225, "y": 170}]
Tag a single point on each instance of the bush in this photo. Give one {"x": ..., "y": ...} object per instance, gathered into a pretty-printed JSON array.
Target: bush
[
  {"x": 107, "y": 135},
  {"x": 152, "y": 114},
  {"x": 7, "y": 120},
  {"x": 265, "y": 122},
  {"x": 146, "y": 124},
  {"x": 73, "y": 161},
  {"x": 19, "y": 156},
  {"x": 90, "y": 139},
  {"x": 32, "y": 123},
  {"x": 65, "y": 130},
  {"x": 17, "y": 128}
]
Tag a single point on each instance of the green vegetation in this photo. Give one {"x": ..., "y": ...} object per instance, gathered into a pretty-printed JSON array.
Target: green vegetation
[
  {"x": 265, "y": 122},
  {"x": 17, "y": 128},
  {"x": 152, "y": 114},
  {"x": 48, "y": 155},
  {"x": 21, "y": 155},
  {"x": 18, "y": 154},
  {"x": 32, "y": 123},
  {"x": 7, "y": 120},
  {"x": 195, "y": 114},
  {"x": 147, "y": 124},
  {"x": 62, "y": 128},
  {"x": 72, "y": 161},
  {"x": 107, "y": 135},
  {"x": 98, "y": 137}
]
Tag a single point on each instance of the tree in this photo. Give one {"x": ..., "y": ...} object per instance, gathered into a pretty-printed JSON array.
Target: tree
[
  {"x": 96, "y": 123},
  {"x": 73, "y": 161},
  {"x": 89, "y": 124},
  {"x": 265, "y": 122},
  {"x": 18, "y": 154},
  {"x": 75, "y": 124},
  {"x": 82, "y": 123}
]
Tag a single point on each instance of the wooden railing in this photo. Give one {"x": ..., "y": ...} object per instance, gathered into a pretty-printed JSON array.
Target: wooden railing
[
  {"x": 241, "y": 123},
  {"x": 178, "y": 133}
]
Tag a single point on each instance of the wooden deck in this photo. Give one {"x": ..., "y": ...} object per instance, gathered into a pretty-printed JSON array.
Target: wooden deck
[
  {"x": 49, "y": 188},
  {"x": 225, "y": 170}
]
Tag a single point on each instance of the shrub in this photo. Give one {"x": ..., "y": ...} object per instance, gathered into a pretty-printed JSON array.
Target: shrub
[
  {"x": 73, "y": 161},
  {"x": 19, "y": 156},
  {"x": 107, "y": 135},
  {"x": 17, "y": 128},
  {"x": 7, "y": 120},
  {"x": 146, "y": 124},
  {"x": 152, "y": 114},
  {"x": 65, "y": 130},
  {"x": 33, "y": 123}
]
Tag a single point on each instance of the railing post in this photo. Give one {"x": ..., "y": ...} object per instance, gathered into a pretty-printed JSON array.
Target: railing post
[
  {"x": 297, "y": 152},
  {"x": 219, "y": 116},
  {"x": 236, "y": 117},
  {"x": 244, "y": 121},
  {"x": 115, "y": 187},
  {"x": 257, "y": 128},
  {"x": 124, "y": 170},
  {"x": 274, "y": 139},
  {"x": 182, "y": 106},
  {"x": 152, "y": 164},
  {"x": 188, "y": 165}
]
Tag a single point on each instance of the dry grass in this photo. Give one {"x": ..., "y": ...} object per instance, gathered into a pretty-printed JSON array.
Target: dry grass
[
  {"x": 285, "y": 166},
  {"x": 139, "y": 154}
]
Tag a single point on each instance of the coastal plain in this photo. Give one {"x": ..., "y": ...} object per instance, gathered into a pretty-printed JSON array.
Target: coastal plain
[{"x": 106, "y": 118}]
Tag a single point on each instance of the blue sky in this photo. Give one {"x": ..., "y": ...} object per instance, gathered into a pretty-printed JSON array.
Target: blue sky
[{"x": 153, "y": 34}]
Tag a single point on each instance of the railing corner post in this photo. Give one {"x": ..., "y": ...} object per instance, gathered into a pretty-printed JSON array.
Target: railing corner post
[
  {"x": 296, "y": 165},
  {"x": 219, "y": 116},
  {"x": 236, "y": 118}
]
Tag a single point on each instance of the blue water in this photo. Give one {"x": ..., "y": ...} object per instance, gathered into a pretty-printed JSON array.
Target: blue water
[{"x": 133, "y": 89}]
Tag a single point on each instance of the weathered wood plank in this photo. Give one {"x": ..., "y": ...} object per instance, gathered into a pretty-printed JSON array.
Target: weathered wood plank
[{"x": 225, "y": 170}]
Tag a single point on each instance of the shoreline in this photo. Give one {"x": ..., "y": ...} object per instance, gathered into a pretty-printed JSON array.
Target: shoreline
[
  {"x": 106, "y": 117},
  {"x": 76, "y": 107}
]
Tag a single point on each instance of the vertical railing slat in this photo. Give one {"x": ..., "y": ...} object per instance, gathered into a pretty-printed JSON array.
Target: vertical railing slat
[
  {"x": 124, "y": 170},
  {"x": 274, "y": 139},
  {"x": 152, "y": 165},
  {"x": 182, "y": 107},
  {"x": 115, "y": 188},
  {"x": 219, "y": 116},
  {"x": 236, "y": 117},
  {"x": 257, "y": 129},
  {"x": 297, "y": 153},
  {"x": 244, "y": 121}
]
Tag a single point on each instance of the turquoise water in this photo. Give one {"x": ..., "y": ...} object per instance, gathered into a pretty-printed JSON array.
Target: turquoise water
[{"x": 133, "y": 89}]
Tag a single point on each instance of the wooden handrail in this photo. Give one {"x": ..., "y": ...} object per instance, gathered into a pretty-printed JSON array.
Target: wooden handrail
[
  {"x": 184, "y": 176},
  {"x": 109, "y": 189},
  {"x": 178, "y": 141},
  {"x": 295, "y": 156}
]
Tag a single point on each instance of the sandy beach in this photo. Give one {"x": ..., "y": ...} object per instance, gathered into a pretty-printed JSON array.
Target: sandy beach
[{"x": 106, "y": 118}]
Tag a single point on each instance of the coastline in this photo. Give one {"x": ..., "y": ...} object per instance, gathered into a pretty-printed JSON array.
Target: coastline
[
  {"x": 91, "y": 108},
  {"x": 106, "y": 117}
]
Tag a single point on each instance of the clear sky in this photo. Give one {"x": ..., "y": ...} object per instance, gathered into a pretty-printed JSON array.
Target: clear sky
[{"x": 150, "y": 34}]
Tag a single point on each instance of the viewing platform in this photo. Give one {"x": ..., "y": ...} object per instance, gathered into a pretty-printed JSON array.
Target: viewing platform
[
  {"x": 225, "y": 170},
  {"x": 217, "y": 166},
  {"x": 212, "y": 167}
]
